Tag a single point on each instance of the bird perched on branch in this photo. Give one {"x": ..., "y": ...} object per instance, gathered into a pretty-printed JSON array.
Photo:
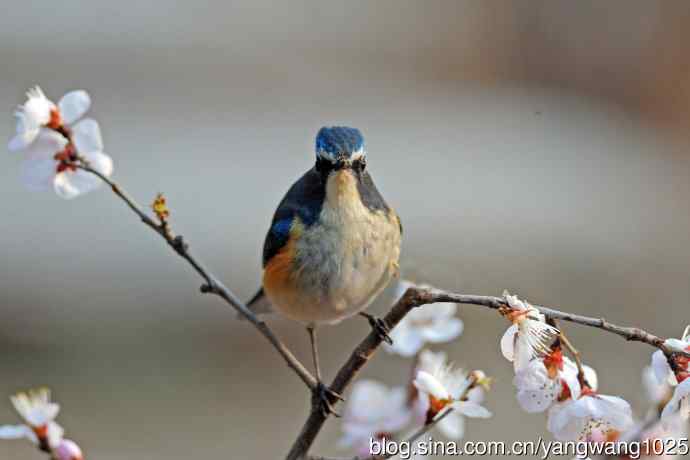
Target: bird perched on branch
[{"x": 333, "y": 244}]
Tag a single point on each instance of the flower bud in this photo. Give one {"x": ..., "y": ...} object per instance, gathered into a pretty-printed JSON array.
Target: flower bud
[{"x": 68, "y": 450}]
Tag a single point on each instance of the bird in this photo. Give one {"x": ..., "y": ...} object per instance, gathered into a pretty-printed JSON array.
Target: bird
[{"x": 332, "y": 247}]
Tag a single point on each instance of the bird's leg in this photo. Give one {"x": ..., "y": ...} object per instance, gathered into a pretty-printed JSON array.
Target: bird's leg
[
  {"x": 323, "y": 395},
  {"x": 379, "y": 326}
]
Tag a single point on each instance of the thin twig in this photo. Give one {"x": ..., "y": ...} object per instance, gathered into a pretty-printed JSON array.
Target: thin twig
[
  {"x": 212, "y": 284},
  {"x": 575, "y": 354}
]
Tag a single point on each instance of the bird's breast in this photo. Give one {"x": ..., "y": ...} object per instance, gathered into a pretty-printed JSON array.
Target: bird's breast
[{"x": 338, "y": 265}]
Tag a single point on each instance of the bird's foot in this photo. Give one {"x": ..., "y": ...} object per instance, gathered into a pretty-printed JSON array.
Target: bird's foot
[
  {"x": 380, "y": 327},
  {"x": 326, "y": 398}
]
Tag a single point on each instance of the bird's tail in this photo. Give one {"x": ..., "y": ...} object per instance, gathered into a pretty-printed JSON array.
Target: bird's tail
[{"x": 259, "y": 304}]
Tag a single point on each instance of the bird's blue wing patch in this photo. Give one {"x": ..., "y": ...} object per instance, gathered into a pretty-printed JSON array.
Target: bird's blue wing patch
[
  {"x": 282, "y": 227},
  {"x": 277, "y": 237}
]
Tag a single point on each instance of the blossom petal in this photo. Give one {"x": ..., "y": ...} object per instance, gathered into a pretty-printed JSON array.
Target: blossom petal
[
  {"x": 591, "y": 377},
  {"x": 444, "y": 331},
  {"x": 406, "y": 341},
  {"x": 55, "y": 434},
  {"x": 452, "y": 426},
  {"x": 572, "y": 380},
  {"x": 74, "y": 105},
  {"x": 472, "y": 409},
  {"x": 68, "y": 450},
  {"x": 37, "y": 175},
  {"x": 71, "y": 184},
  {"x": 87, "y": 136},
  {"x": 39, "y": 166},
  {"x": 681, "y": 392},
  {"x": 100, "y": 162},
  {"x": 508, "y": 342},
  {"x": 536, "y": 391},
  {"x": 22, "y": 140},
  {"x": 559, "y": 415},
  {"x": 15, "y": 432},
  {"x": 429, "y": 384}
]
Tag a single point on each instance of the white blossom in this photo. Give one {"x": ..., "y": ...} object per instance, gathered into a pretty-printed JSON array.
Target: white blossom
[
  {"x": 38, "y": 111},
  {"x": 39, "y": 413},
  {"x": 656, "y": 392},
  {"x": 68, "y": 450},
  {"x": 31, "y": 117},
  {"x": 373, "y": 411},
  {"x": 430, "y": 323},
  {"x": 680, "y": 401},
  {"x": 50, "y": 160},
  {"x": 660, "y": 365},
  {"x": 444, "y": 388},
  {"x": 528, "y": 337},
  {"x": 539, "y": 387},
  {"x": 589, "y": 417}
]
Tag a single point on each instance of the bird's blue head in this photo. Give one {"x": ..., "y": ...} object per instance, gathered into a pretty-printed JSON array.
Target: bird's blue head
[{"x": 339, "y": 146}]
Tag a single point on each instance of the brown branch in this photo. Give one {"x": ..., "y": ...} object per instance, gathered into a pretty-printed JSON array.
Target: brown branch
[
  {"x": 415, "y": 297},
  {"x": 212, "y": 284},
  {"x": 421, "y": 431}
]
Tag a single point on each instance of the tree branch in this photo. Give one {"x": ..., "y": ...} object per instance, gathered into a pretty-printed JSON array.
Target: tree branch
[
  {"x": 212, "y": 284},
  {"x": 415, "y": 297}
]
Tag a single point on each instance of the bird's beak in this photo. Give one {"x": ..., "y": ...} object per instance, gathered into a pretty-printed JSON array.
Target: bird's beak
[{"x": 343, "y": 162}]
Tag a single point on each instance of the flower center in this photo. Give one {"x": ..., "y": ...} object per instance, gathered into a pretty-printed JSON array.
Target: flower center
[
  {"x": 66, "y": 159},
  {"x": 55, "y": 121},
  {"x": 553, "y": 362},
  {"x": 435, "y": 406},
  {"x": 598, "y": 431},
  {"x": 41, "y": 433}
]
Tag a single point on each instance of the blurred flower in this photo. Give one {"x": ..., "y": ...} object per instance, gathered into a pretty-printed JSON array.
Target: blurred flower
[
  {"x": 528, "y": 337},
  {"x": 680, "y": 401},
  {"x": 373, "y": 411},
  {"x": 434, "y": 323},
  {"x": 38, "y": 111},
  {"x": 662, "y": 370},
  {"x": 39, "y": 413},
  {"x": 31, "y": 117},
  {"x": 68, "y": 450},
  {"x": 657, "y": 392},
  {"x": 592, "y": 417},
  {"x": 54, "y": 145},
  {"x": 662, "y": 433},
  {"x": 446, "y": 388},
  {"x": 544, "y": 381},
  {"x": 427, "y": 361}
]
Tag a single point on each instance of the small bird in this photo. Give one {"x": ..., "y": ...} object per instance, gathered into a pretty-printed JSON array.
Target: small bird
[{"x": 333, "y": 244}]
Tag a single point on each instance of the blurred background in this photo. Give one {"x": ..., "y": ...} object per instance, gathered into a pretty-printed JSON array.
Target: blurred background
[{"x": 536, "y": 146}]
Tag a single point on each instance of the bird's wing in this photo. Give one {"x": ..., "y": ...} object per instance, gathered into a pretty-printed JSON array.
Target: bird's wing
[{"x": 303, "y": 201}]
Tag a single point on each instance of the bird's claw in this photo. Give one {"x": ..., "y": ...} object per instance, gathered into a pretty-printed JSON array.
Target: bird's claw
[
  {"x": 326, "y": 398},
  {"x": 381, "y": 328}
]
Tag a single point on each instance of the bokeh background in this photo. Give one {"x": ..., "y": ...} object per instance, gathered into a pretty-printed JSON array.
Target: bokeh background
[{"x": 538, "y": 146}]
